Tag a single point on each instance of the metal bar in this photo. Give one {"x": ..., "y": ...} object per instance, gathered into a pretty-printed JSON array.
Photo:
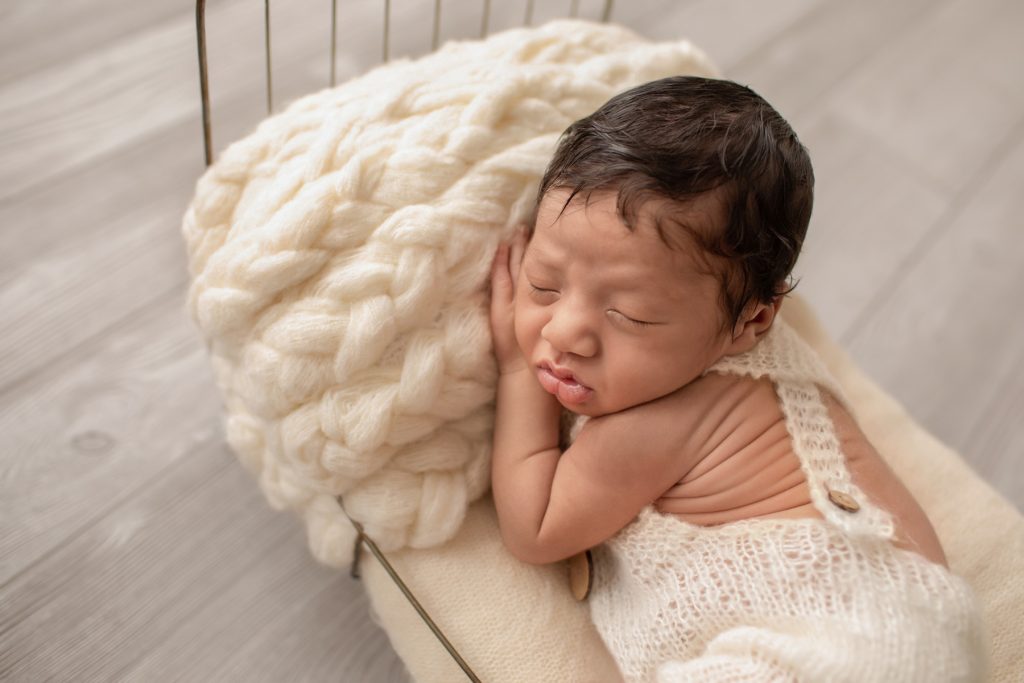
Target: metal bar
[
  {"x": 528, "y": 20},
  {"x": 270, "y": 86},
  {"x": 606, "y": 15},
  {"x": 437, "y": 24},
  {"x": 486, "y": 18},
  {"x": 363, "y": 538},
  {"x": 357, "y": 554},
  {"x": 334, "y": 38},
  {"x": 204, "y": 84},
  {"x": 574, "y": 8},
  {"x": 387, "y": 26}
]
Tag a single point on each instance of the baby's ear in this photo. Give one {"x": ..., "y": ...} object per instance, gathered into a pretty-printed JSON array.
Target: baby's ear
[{"x": 755, "y": 322}]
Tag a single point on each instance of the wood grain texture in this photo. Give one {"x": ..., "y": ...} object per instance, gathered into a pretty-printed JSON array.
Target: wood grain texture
[
  {"x": 85, "y": 436},
  {"x": 181, "y": 581},
  {"x": 947, "y": 340},
  {"x": 871, "y": 211},
  {"x": 813, "y": 56},
  {"x": 948, "y": 93},
  {"x": 36, "y": 37},
  {"x": 133, "y": 546}
]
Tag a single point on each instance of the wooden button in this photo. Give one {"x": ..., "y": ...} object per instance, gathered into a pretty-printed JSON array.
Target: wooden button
[
  {"x": 581, "y": 574},
  {"x": 843, "y": 501}
]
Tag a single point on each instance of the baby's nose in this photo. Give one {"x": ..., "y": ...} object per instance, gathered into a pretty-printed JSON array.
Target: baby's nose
[{"x": 570, "y": 332}]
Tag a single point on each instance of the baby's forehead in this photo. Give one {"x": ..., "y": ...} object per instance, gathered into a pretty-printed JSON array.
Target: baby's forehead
[
  {"x": 593, "y": 238},
  {"x": 682, "y": 229}
]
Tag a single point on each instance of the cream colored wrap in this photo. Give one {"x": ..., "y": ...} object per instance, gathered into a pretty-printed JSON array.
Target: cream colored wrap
[{"x": 340, "y": 255}]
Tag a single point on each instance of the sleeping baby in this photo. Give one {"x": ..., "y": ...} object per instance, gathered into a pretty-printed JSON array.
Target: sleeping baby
[{"x": 741, "y": 526}]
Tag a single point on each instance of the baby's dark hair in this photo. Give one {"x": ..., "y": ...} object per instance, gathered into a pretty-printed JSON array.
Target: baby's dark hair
[{"x": 680, "y": 137}]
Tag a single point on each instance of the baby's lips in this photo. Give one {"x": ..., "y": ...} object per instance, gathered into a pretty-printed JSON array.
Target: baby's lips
[
  {"x": 567, "y": 390},
  {"x": 573, "y": 393},
  {"x": 563, "y": 374}
]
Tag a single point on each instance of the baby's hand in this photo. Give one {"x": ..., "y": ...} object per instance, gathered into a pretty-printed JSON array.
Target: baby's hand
[{"x": 504, "y": 274}]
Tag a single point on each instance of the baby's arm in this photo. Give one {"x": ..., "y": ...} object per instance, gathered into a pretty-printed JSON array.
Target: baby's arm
[
  {"x": 552, "y": 505},
  {"x": 525, "y": 453}
]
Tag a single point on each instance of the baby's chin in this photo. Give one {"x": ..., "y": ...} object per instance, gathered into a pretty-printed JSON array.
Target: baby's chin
[
  {"x": 576, "y": 410},
  {"x": 587, "y": 409}
]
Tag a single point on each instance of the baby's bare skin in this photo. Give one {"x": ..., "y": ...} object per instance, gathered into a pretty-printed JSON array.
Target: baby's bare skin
[
  {"x": 609, "y": 323},
  {"x": 745, "y": 467}
]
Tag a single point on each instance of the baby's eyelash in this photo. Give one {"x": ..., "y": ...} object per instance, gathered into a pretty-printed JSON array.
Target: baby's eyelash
[{"x": 633, "y": 321}]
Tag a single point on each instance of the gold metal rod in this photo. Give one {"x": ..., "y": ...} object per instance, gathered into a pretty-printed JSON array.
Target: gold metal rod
[
  {"x": 574, "y": 8},
  {"x": 204, "y": 84},
  {"x": 437, "y": 24},
  {"x": 363, "y": 538},
  {"x": 486, "y": 18},
  {"x": 606, "y": 15},
  {"x": 270, "y": 87},
  {"x": 334, "y": 38},
  {"x": 419, "y": 608},
  {"x": 529, "y": 13},
  {"x": 387, "y": 27},
  {"x": 357, "y": 554}
]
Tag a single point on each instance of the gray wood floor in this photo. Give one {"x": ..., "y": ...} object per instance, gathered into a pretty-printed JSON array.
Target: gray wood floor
[{"x": 134, "y": 547}]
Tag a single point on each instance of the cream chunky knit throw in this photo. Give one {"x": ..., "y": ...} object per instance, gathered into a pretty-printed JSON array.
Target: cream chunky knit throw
[
  {"x": 340, "y": 256},
  {"x": 785, "y": 599}
]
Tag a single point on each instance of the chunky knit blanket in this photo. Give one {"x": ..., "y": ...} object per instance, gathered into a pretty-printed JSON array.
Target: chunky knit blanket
[{"x": 339, "y": 257}]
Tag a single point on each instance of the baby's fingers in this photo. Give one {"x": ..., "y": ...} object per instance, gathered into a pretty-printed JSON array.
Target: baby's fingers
[
  {"x": 501, "y": 282},
  {"x": 517, "y": 247},
  {"x": 502, "y": 315}
]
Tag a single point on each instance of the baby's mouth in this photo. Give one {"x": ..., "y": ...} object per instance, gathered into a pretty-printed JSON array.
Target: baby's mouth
[{"x": 562, "y": 384}]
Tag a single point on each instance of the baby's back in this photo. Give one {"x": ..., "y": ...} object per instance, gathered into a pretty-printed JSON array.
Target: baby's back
[{"x": 745, "y": 466}]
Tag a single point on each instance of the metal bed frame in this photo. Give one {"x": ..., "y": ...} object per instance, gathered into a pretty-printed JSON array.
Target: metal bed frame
[
  {"x": 361, "y": 538},
  {"x": 204, "y": 88}
]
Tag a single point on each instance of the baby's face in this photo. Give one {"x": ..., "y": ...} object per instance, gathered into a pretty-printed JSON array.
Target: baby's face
[{"x": 611, "y": 318}]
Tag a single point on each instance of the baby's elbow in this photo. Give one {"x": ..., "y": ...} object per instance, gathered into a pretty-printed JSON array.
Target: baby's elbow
[
  {"x": 528, "y": 552},
  {"x": 533, "y": 557},
  {"x": 534, "y": 554}
]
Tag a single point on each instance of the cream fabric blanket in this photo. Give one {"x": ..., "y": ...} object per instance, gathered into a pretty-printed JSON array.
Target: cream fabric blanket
[{"x": 518, "y": 622}]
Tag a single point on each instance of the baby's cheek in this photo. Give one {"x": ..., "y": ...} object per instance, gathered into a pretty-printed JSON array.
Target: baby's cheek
[{"x": 648, "y": 374}]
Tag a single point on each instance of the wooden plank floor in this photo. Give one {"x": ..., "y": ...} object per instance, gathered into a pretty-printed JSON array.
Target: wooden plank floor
[{"x": 133, "y": 546}]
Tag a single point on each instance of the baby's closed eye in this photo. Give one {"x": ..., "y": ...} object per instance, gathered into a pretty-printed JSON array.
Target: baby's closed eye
[
  {"x": 543, "y": 294},
  {"x": 629, "y": 320}
]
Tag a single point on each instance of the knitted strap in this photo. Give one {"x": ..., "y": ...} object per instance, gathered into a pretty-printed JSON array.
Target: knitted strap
[
  {"x": 822, "y": 461},
  {"x": 797, "y": 373}
]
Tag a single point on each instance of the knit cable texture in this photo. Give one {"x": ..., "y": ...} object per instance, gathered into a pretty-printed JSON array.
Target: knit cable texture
[{"x": 340, "y": 255}]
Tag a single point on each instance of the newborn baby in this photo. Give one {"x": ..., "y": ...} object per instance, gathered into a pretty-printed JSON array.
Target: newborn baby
[{"x": 743, "y": 527}]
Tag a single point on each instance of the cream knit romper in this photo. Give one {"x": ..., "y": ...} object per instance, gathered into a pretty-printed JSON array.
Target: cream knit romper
[{"x": 784, "y": 599}]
